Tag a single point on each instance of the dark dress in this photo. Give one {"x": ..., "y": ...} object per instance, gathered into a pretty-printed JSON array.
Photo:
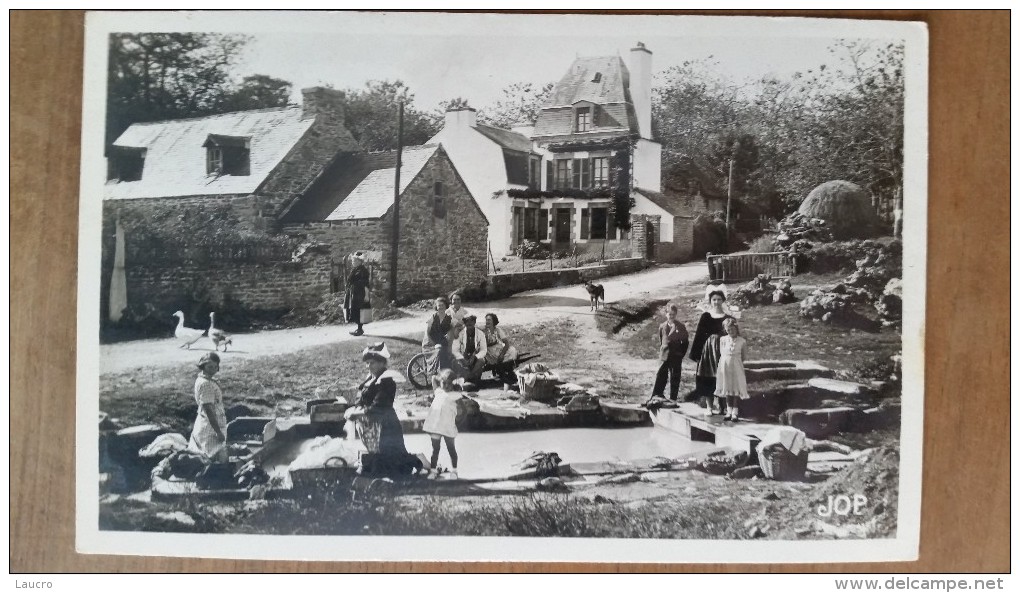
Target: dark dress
[
  {"x": 705, "y": 351},
  {"x": 380, "y": 427},
  {"x": 437, "y": 334},
  {"x": 357, "y": 288}
]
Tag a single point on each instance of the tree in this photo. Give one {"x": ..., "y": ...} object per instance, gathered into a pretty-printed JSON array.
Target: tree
[
  {"x": 453, "y": 104},
  {"x": 371, "y": 116},
  {"x": 521, "y": 102},
  {"x": 156, "y": 76},
  {"x": 257, "y": 92}
]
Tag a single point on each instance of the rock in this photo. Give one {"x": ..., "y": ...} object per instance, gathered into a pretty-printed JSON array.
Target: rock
[
  {"x": 821, "y": 423},
  {"x": 770, "y": 496},
  {"x": 756, "y": 532},
  {"x": 599, "y": 499}
]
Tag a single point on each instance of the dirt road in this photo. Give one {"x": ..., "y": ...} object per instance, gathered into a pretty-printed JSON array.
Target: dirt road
[{"x": 522, "y": 310}]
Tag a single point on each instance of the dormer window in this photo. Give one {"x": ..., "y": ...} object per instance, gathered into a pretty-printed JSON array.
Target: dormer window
[
  {"x": 126, "y": 163},
  {"x": 583, "y": 119},
  {"x": 227, "y": 155}
]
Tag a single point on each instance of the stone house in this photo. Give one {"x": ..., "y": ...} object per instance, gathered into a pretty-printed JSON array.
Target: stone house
[
  {"x": 558, "y": 180},
  {"x": 442, "y": 239},
  {"x": 260, "y": 208}
]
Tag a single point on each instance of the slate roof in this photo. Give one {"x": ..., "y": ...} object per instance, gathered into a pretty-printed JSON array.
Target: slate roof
[
  {"x": 505, "y": 138},
  {"x": 359, "y": 186},
  {"x": 577, "y": 84},
  {"x": 175, "y": 159},
  {"x": 671, "y": 202}
]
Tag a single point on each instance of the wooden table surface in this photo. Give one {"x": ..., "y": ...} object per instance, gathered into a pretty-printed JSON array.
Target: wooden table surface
[{"x": 965, "y": 523}]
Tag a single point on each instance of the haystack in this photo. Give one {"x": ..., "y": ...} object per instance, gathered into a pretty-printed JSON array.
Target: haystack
[{"x": 844, "y": 206}]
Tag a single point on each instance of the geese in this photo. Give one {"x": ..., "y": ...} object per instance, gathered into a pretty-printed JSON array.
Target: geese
[
  {"x": 185, "y": 335},
  {"x": 218, "y": 336}
]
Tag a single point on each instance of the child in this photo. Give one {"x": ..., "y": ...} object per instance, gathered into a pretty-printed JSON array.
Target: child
[
  {"x": 730, "y": 380},
  {"x": 441, "y": 423}
]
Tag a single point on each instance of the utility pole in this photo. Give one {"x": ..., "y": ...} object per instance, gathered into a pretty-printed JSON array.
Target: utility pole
[
  {"x": 729, "y": 192},
  {"x": 396, "y": 207}
]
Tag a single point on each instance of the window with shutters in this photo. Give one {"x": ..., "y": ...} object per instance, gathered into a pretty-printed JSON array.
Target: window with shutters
[
  {"x": 585, "y": 223},
  {"x": 543, "y": 225}
]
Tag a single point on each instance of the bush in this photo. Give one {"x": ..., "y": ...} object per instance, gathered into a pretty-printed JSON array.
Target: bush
[
  {"x": 709, "y": 234},
  {"x": 532, "y": 250},
  {"x": 763, "y": 244},
  {"x": 843, "y": 256}
]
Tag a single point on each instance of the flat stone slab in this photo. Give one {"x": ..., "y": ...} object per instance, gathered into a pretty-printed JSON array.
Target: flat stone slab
[
  {"x": 835, "y": 385},
  {"x": 771, "y": 364},
  {"x": 800, "y": 370},
  {"x": 624, "y": 413}
]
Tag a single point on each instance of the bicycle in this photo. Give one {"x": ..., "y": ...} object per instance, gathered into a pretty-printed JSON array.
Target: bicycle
[{"x": 422, "y": 367}]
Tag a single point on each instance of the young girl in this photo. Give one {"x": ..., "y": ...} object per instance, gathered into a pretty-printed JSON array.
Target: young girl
[
  {"x": 441, "y": 423},
  {"x": 730, "y": 380}
]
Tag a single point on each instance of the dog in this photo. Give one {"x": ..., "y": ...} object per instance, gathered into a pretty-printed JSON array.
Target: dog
[{"x": 595, "y": 292}]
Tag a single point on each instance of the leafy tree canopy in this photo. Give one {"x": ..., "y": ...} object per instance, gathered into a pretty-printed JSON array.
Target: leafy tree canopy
[{"x": 156, "y": 76}]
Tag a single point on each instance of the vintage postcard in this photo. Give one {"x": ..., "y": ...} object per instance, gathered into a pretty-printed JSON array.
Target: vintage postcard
[{"x": 426, "y": 286}]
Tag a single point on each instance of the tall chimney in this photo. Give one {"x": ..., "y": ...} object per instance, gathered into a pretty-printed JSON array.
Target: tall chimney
[
  {"x": 319, "y": 100},
  {"x": 461, "y": 117},
  {"x": 641, "y": 87}
]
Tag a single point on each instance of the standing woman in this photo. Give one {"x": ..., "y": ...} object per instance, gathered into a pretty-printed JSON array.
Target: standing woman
[
  {"x": 209, "y": 436},
  {"x": 437, "y": 332},
  {"x": 357, "y": 289},
  {"x": 705, "y": 348},
  {"x": 457, "y": 313},
  {"x": 374, "y": 413}
]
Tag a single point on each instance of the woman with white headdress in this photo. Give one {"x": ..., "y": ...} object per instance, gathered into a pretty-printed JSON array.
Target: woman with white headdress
[
  {"x": 377, "y": 420},
  {"x": 357, "y": 290},
  {"x": 705, "y": 347}
]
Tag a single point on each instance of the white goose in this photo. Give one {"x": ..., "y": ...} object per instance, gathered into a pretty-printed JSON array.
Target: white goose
[
  {"x": 185, "y": 335},
  {"x": 218, "y": 336}
]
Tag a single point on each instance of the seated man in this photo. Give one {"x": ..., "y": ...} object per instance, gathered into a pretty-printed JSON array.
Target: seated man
[{"x": 469, "y": 351}]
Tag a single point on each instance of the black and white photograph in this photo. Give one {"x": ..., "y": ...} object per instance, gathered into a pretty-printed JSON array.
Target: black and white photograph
[{"x": 629, "y": 288}]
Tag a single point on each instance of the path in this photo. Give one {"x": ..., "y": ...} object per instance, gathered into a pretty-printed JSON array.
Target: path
[{"x": 524, "y": 309}]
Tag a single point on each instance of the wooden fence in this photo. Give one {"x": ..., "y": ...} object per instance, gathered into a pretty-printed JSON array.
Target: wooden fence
[{"x": 746, "y": 266}]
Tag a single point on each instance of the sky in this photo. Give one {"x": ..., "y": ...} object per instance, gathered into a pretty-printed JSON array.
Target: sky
[{"x": 440, "y": 56}]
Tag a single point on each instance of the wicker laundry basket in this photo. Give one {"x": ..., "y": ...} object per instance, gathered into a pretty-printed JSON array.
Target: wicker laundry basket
[{"x": 778, "y": 463}]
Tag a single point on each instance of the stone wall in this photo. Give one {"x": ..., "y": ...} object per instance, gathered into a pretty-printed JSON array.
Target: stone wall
[
  {"x": 440, "y": 250},
  {"x": 268, "y": 287},
  {"x": 501, "y": 285},
  {"x": 344, "y": 238}
]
